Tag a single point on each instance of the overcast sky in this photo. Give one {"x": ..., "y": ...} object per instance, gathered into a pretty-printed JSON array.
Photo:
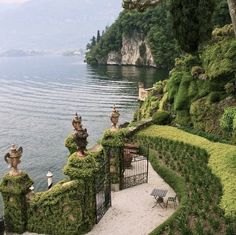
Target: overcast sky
[
  {"x": 53, "y": 24},
  {"x": 13, "y": 1}
]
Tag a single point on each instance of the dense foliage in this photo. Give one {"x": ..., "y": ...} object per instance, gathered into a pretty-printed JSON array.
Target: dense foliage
[
  {"x": 199, "y": 87},
  {"x": 15, "y": 210},
  {"x": 191, "y": 22},
  {"x": 200, "y": 163},
  {"x": 153, "y": 25}
]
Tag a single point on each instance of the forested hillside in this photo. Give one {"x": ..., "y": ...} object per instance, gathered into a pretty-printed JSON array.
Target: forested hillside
[
  {"x": 152, "y": 25},
  {"x": 152, "y": 30}
]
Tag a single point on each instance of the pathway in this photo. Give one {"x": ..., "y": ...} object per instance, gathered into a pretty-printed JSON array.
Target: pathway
[{"x": 131, "y": 212}]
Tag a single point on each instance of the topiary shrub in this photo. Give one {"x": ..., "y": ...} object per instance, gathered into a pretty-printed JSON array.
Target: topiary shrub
[{"x": 161, "y": 118}]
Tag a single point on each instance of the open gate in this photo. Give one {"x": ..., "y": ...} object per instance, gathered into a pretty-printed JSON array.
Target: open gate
[
  {"x": 133, "y": 167},
  {"x": 102, "y": 190}
]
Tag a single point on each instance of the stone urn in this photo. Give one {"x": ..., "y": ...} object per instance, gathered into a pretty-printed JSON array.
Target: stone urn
[
  {"x": 114, "y": 118},
  {"x": 80, "y": 135},
  {"x": 13, "y": 159}
]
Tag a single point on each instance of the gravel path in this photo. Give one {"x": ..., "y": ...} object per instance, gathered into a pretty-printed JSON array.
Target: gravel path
[{"x": 131, "y": 212}]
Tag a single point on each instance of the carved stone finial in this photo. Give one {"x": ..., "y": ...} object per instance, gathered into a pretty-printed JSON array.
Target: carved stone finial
[
  {"x": 80, "y": 135},
  {"x": 13, "y": 159},
  {"x": 76, "y": 122},
  {"x": 114, "y": 118}
]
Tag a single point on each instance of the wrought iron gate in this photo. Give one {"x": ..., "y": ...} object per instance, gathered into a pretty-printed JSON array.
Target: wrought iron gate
[
  {"x": 133, "y": 167},
  {"x": 102, "y": 190}
]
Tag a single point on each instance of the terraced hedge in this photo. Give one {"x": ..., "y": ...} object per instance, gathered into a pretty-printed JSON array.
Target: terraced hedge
[{"x": 209, "y": 172}]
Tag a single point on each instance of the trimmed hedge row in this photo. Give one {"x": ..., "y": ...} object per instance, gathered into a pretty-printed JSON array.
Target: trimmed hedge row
[
  {"x": 175, "y": 182},
  {"x": 188, "y": 155}
]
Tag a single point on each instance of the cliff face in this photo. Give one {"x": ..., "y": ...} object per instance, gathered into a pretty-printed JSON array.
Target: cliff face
[{"x": 135, "y": 51}]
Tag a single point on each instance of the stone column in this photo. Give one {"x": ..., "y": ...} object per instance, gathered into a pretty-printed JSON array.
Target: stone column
[{"x": 14, "y": 191}]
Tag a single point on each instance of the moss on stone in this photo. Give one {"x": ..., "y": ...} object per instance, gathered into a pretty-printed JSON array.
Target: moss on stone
[
  {"x": 80, "y": 167},
  {"x": 70, "y": 143},
  {"x": 14, "y": 190}
]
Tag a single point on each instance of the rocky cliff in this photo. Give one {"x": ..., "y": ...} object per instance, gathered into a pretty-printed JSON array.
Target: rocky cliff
[{"x": 135, "y": 51}]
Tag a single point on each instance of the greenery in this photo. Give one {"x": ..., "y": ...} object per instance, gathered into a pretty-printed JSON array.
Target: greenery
[
  {"x": 227, "y": 121},
  {"x": 200, "y": 162},
  {"x": 152, "y": 26},
  {"x": 65, "y": 209},
  {"x": 70, "y": 144},
  {"x": 176, "y": 182},
  {"x": 13, "y": 190},
  {"x": 206, "y": 135},
  {"x": 199, "y": 87},
  {"x": 191, "y": 22},
  {"x": 80, "y": 167},
  {"x": 69, "y": 206},
  {"x": 161, "y": 118}
]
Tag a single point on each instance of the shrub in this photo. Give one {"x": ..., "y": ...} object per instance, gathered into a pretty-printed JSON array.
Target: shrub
[
  {"x": 230, "y": 88},
  {"x": 161, "y": 118},
  {"x": 214, "y": 97},
  {"x": 220, "y": 33},
  {"x": 219, "y": 59},
  {"x": 227, "y": 121},
  {"x": 196, "y": 71},
  {"x": 183, "y": 118}
]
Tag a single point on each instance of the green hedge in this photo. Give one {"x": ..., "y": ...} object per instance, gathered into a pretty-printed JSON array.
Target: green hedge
[
  {"x": 211, "y": 205},
  {"x": 65, "y": 209},
  {"x": 175, "y": 182}
]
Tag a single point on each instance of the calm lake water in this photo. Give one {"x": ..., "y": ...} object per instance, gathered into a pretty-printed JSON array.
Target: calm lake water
[{"x": 39, "y": 96}]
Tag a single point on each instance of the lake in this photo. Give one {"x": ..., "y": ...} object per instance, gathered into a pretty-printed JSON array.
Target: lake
[{"x": 40, "y": 95}]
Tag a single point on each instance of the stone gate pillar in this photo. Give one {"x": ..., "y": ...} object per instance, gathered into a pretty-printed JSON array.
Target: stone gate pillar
[
  {"x": 14, "y": 191},
  {"x": 14, "y": 188}
]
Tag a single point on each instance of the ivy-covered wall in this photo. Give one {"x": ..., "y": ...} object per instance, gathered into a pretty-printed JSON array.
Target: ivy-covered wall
[
  {"x": 14, "y": 191},
  {"x": 68, "y": 208}
]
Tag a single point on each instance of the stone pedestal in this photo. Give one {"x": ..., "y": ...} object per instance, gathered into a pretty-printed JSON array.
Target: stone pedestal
[{"x": 14, "y": 190}]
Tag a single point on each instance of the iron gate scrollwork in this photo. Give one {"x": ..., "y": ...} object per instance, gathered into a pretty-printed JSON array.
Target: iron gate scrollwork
[
  {"x": 102, "y": 190},
  {"x": 133, "y": 166}
]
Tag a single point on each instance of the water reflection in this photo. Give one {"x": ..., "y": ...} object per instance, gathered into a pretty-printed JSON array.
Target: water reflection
[{"x": 129, "y": 73}]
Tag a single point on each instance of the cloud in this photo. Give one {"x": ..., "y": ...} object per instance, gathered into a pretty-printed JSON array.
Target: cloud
[{"x": 13, "y": 1}]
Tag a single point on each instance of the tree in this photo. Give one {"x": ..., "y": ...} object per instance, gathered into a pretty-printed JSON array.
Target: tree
[
  {"x": 88, "y": 46},
  {"x": 93, "y": 41},
  {"x": 98, "y": 36},
  {"x": 140, "y": 5},
  {"x": 143, "y": 4},
  {"x": 232, "y": 11},
  {"x": 190, "y": 19},
  {"x": 191, "y": 22}
]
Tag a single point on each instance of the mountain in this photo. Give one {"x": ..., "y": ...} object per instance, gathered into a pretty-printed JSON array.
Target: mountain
[{"x": 50, "y": 24}]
